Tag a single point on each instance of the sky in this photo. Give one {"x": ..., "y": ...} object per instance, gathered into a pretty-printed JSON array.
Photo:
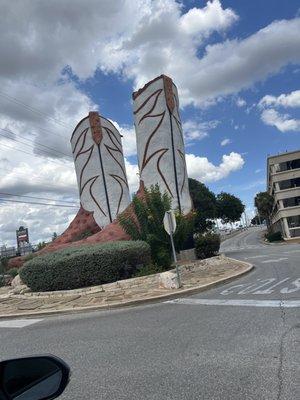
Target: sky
[{"x": 236, "y": 64}]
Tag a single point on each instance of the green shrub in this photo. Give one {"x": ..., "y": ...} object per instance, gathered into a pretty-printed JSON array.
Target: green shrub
[
  {"x": 274, "y": 237},
  {"x": 147, "y": 225},
  {"x": 13, "y": 272},
  {"x": 30, "y": 256},
  {"x": 3, "y": 264},
  {"x": 207, "y": 245},
  {"x": 149, "y": 270},
  {"x": 85, "y": 265}
]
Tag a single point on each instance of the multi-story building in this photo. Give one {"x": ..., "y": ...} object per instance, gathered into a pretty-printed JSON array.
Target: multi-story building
[{"x": 284, "y": 184}]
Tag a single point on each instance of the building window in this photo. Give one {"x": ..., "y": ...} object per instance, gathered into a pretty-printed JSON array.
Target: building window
[
  {"x": 293, "y": 222},
  {"x": 289, "y": 183},
  {"x": 288, "y": 165},
  {"x": 291, "y": 202}
]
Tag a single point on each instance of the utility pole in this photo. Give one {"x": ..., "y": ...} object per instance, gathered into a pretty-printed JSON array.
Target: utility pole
[{"x": 246, "y": 220}]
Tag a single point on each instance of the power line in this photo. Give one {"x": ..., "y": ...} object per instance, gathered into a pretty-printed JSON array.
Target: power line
[
  {"x": 32, "y": 177},
  {"x": 31, "y": 141},
  {"x": 36, "y": 203},
  {"x": 34, "y": 197},
  {"x": 32, "y": 154},
  {"x": 32, "y": 109}
]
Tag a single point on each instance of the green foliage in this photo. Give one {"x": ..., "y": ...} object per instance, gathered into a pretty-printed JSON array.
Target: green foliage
[
  {"x": 2, "y": 272},
  {"x": 3, "y": 263},
  {"x": 83, "y": 266},
  {"x": 274, "y": 237},
  {"x": 41, "y": 245},
  {"x": 147, "y": 225},
  {"x": 264, "y": 202},
  {"x": 149, "y": 270},
  {"x": 207, "y": 245},
  {"x": 229, "y": 207},
  {"x": 13, "y": 272},
  {"x": 257, "y": 220},
  {"x": 30, "y": 256},
  {"x": 205, "y": 205},
  {"x": 54, "y": 236}
]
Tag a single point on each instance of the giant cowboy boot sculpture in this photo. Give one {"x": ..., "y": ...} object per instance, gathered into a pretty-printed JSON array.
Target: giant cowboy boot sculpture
[
  {"x": 101, "y": 177},
  {"x": 160, "y": 144}
]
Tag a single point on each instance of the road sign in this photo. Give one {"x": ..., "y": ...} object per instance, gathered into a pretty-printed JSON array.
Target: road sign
[
  {"x": 170, "y": 222},
  {"x": 170, "y": 227}
]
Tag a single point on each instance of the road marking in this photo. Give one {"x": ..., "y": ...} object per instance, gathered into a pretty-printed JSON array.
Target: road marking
[
  {"x": 250, "y": 258},
  {"x": 268, "y": 286},
  {"x": 18, "y": 323},
  {"x": 240, "y": 303},
  {"x": 274, "y": 261},
  {"x": 291, "y": 251}
]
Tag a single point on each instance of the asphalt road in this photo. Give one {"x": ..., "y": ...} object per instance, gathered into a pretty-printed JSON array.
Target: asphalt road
[{"x": 238, "y": 341}]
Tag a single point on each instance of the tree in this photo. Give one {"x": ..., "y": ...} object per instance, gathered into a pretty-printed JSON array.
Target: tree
[
  {"x": 257, "y": 220},
  {"x": 146, "y": 224},
  {"x": 229, "y": 207},
  {"x": 54, "y": 236},
  {"x": 205, "y": 205},
  {"x": 263, "y": 201},
  {"x": 41, "y": 245}
]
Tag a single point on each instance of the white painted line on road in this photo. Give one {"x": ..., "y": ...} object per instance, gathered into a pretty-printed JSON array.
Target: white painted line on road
[
  {"x": 274, "y": 261},
  {"x": 291, "y": 251},
  {"x": 240, "y": 303},
  {"x": 250, "y": 258},
  {"x": 18, "y": 323}
]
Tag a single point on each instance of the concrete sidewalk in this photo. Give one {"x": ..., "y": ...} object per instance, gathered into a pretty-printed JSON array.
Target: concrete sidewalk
[{"x": 196, "y": 276}]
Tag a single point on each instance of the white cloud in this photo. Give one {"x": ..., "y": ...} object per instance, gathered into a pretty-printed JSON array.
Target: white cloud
[
  {"x": 240, "y": 102},
  {"x": 132, "y": 171},
  {"x": 195, "y": 130},
  {"x": 108, "y": 38},
  {"x": 225, "y": 67},
  {"x": 257, "y": 171},
  {"x": 284, "y": 100},
  {"x": 42, "y": 221},
  {"x": 283, "y": 122},
  {"x": 128, "y": 139},
  {"x": 209, "y": 18},
  {"x": 224, "y": 142},
  {"x": 202, "y": 169}
]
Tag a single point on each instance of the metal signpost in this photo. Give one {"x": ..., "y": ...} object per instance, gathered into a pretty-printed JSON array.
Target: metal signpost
[{"x": 170, "y": 227}]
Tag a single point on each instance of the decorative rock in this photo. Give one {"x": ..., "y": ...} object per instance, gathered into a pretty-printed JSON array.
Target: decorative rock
[
  {"x": 187, "y": 255},
  {"x": 168, "y": 280},
  {"x": 16, "y": 281}
]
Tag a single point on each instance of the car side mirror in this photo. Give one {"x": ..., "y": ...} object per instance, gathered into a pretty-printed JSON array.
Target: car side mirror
[{"x": 33, "y": 378}]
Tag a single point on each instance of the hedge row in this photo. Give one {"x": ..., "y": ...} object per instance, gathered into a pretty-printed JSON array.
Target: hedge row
[
  {"x": 85, "y": 265},
  {"x": 274, "y": 237},
  {"x": 207, "y": 245}
]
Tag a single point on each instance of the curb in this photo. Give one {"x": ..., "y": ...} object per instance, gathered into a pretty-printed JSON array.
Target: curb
[{"x": 137, "y": 302}]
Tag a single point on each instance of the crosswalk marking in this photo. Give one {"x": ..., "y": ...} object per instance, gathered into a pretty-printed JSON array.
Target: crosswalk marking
[
  {"x": 275, "y": 260},
  {"x": 18, "y": 323},
  {"x": 233, "y": 302},
  {"x": 226, "y": 249}
]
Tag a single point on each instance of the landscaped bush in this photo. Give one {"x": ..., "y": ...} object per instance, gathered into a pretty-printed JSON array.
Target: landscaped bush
[
  {"x": 274, "y": 237},
  {"x": 207, "y": 245},
  {"x": 149, "y": 270},
  {"x": 147, "y": 224},
  {"x": 85, "y": 265},
  {"x": 13, "y": 272}
]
